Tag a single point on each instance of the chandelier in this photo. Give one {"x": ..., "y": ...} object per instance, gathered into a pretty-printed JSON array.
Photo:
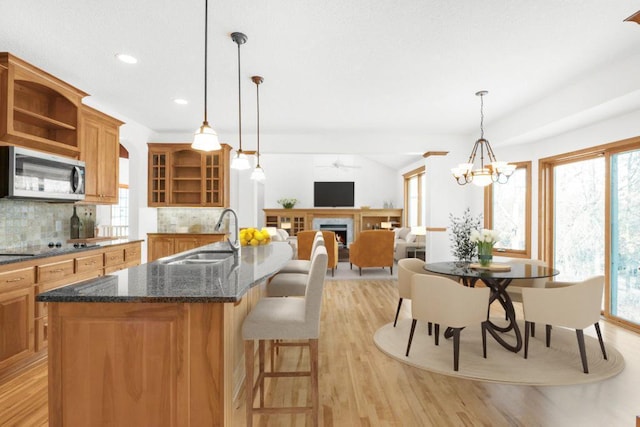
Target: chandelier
[{"x": 493, "y": 171}]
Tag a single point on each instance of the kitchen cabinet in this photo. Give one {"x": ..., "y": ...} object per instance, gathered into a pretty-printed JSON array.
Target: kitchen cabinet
[
  {"x": 16, "y": 315},
  {"x": 161, "y": 245},
  {"x": 24, "y": 324},
  {"x": 99, "y": 149},
  {"x": 181, "y": 176},
  {"x": 37, "y": 110}
]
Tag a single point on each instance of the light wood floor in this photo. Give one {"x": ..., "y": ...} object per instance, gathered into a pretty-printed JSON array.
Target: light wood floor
[{"x": 360, "y": 386}]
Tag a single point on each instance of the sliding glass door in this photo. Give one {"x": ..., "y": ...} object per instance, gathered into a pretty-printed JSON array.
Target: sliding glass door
[
  {"x": 578, "y": 240},
  {"x": 590, "y": 221},
  {"x": 625, "y": 235}
]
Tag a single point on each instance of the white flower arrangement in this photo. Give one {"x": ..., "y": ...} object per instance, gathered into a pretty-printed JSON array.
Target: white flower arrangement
[
  {"x": 485, "y": 236},
  {"x": 485, "y": 239}
]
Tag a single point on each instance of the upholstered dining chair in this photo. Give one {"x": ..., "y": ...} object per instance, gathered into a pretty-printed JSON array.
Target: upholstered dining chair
[
  {"x": 576, "y": 306},
  {"x": 285, "y": 319},
  {"x": 443, "y": 301},
  {"x": 303, "y": 265},
  {"x": 373, "y": 248},
  {"x": 407, "y": 267},
  {"x": 305, "y": 241},
  {"x": 515, "y": 287}
]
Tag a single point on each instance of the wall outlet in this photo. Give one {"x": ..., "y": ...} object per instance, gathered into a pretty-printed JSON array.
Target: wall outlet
[{"x": 58, "y": 225}]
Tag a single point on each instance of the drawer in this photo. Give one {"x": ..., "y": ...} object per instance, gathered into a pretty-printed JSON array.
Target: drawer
[
  {"x": 89, "y": 263},
  {"x": 132, "y": 254},
  {"x": 17, "y": 278},
  {"x": 113, "y": 258},
  {"x": 55, "y": 271}
]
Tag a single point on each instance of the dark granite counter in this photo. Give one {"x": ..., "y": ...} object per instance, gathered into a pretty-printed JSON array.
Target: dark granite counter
[
  {"x": 27, "y": 254},
  {"x": 157, "y": 282}
]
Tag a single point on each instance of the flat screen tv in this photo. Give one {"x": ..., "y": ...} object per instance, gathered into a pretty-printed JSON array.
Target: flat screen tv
[{"x": 333, "y": 194}]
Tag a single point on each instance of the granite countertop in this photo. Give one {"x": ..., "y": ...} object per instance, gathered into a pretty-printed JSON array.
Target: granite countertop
[
  {"x": 158, "y": 282},
  {"x": 11, "y": 256}
]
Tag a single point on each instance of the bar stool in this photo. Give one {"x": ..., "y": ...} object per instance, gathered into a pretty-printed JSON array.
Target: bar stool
[
  {"x": 303, "y": 265},
  {"x": 285, "y": 319}
]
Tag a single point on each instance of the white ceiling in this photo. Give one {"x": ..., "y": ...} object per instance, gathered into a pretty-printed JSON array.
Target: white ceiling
[{"x": 391, "y": 78}]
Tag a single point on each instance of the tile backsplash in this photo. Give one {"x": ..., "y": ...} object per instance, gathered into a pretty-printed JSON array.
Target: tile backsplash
[
  {"x": 187, "y": 220},
  {"x": 25, "y": 224}
]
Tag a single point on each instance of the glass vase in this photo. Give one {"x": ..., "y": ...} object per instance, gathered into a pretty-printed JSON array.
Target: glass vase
[{"x": 485, "y": 254}]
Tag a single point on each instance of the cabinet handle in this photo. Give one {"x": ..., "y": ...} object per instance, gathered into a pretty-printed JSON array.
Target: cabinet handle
[
  {"x": 14, "y": 280},
  {"x": 90, "y": 262},
  {"x": 57, "y": 270}
]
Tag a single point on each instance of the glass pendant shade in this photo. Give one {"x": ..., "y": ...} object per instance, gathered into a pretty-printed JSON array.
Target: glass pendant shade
[
  {"x": 258, "y": 174},
  {"x": 482, "y": 177},
  {"x": 240, "y": 162},
  {"x": 206, "y": 139}
]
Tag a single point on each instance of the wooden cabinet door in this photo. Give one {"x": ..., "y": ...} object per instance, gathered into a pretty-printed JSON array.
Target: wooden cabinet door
[
  {"x": 99, "y": 149},
  {"x": 89, "y": 155},
  {"x": 185, "y": 243},
  {"x": 16, "y": 325},
  {"x": 108, "y": 164},
  {"x": 159, "y": 247}
]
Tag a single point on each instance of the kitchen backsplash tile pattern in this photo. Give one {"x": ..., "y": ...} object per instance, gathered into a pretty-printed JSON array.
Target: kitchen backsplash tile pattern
[
  {"x": 26, "y": 224},
  {"x": 187, "y": 220}
]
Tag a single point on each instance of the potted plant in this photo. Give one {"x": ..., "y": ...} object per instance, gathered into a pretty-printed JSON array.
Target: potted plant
[
  {"x": 288, "y": 203},
  {"x": 463, "y": 248}
]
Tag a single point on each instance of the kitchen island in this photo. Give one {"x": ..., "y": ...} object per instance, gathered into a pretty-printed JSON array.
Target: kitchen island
[{"x": 158, "y": 344}]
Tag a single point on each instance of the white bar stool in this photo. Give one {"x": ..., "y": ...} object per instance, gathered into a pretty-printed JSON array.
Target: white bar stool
[{"x": 275, "y": 318}]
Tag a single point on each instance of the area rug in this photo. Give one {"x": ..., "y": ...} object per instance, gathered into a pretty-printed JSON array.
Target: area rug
[
  {"x": 342, "y": 272},
  {"x": 558, "y": 365}
]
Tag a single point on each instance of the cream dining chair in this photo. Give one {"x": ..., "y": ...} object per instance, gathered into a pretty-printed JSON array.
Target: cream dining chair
[
  {"x": 285, "y": 319},
  {"x": 407, "y": 267},
  {"x": 445, "y": 302},
  {"x": 576, "y": 306},
  {"x": 515, "y": 287}
]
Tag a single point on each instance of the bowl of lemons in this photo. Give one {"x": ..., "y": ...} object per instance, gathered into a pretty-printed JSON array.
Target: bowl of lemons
[{"x": 254, "y": 237}]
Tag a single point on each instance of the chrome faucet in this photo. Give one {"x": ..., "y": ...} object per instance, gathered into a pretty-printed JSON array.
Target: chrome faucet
[{"x": 235, "y": 245}]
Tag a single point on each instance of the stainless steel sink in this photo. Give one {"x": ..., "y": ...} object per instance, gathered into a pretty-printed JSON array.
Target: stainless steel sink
[
  {"x": 210, "y": 255},
  {"x": 200, "y": 257}
]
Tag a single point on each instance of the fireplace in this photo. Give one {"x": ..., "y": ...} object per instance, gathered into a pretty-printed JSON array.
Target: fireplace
[
  {"x": 339, "y": 229},
  {"x": 343, "y": 227}
]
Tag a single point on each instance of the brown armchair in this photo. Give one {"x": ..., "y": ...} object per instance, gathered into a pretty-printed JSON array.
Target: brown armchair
[
  {"x": 305, "y": 242},
  {"x": 374, "y": 248}
]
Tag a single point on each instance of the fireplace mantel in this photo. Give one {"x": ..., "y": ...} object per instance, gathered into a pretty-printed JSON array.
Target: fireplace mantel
[{"x": 302, "y": 218}]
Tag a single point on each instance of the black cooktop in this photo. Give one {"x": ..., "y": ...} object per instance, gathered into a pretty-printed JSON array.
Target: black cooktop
[{"x": 49, "y": 248}]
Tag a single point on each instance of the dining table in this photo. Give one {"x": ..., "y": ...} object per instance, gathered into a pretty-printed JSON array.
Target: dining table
[{"x": 497, "y": 281}]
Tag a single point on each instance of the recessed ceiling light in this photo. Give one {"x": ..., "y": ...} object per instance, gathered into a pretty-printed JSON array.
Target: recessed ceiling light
[
  {"x": 181, "y": 101},
  {"x": 127, "y": 59}
]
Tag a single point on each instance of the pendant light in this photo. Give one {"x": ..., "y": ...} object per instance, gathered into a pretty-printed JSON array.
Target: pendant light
[
  {"x": 494, "y": 171},
  {"x": 240, "y": 160},
  {"x": 258, "y": 172},
  {"x": 205, "y": 138}
]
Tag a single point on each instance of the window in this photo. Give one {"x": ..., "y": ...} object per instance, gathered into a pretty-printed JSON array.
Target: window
[
  {"x": 508, "y": 210},
  {"x": 589, "y": 222},
  {"x": 413, "y": 200},
  {"x": 120, "y": 213}
]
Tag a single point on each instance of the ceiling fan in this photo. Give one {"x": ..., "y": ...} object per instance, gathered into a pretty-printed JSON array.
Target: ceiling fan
[{"x": 338, "y": 164}]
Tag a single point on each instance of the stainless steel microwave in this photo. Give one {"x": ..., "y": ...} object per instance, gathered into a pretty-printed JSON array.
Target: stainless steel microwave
[{"x": 29, "y": 174}]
